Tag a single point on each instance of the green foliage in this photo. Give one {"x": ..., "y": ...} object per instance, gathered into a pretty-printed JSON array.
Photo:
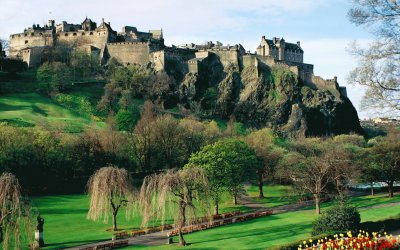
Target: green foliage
[
  {"x": 126, "y": 120},
  {"x": 384, "y": 160},
  {"x": 229, "y": 163},
  {"x": 84, "y": 65},
  {"x": 12, "y": 66},
  {"x": 240, "y": 128},
  {"x": 210, "y": 98},
  {"x": 47, "y": 162},
  {"x": 339, "y": 218},
  {"x": 55, "y": 76},
  {"x": 78, "y": 104}
]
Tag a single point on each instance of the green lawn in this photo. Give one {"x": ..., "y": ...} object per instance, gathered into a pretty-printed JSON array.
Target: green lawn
[
  {"x": 275, "y": 195},
  {"x": 35, "y": 109},
  {"x": 66, "y": 223},
  {"x": 267, "y": 232}
]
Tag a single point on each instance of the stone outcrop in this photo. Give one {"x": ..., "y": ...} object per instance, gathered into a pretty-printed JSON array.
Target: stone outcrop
[{"x": 276, "y": 97}]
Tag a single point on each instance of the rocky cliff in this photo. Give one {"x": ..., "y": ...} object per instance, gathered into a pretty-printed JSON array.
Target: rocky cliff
[{"x": 268, "y": 96}]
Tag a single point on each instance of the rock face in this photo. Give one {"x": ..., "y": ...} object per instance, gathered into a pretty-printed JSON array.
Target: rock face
[{"x": 270, "y": 96}]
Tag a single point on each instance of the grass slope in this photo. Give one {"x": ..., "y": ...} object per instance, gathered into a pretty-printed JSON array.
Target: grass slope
[{"x": 35, "y": 109}]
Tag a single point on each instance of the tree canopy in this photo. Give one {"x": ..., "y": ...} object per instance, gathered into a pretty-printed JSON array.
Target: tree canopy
[{"x": 228, "y": 163}]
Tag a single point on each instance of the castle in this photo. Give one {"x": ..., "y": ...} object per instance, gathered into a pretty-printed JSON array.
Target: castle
[{"x": 130, "y": 46}]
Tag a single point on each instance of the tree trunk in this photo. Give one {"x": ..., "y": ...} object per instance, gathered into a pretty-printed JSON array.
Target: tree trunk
[
  {"x": 260, "y": 186},
  {"x": 235, "y": 202},
  {"x": 216, "y": 206},
  {"x": 182, "y": 241},
  {"x": 1, "y": 233},
  {"x": 372, "y": 188},
  {"x": 317, "y": 204},
  {"x": 390, "y": 187},
  {"x": 115, "y": 221}
]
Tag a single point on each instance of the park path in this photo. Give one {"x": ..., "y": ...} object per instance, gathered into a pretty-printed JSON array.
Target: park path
[{"x": 160, "y": 238}]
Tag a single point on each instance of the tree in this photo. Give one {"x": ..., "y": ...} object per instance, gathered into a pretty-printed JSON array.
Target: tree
[
  {"x": 168, "y": 138},
  {"x": 14, "y": 212},
  {"x": 109, "y": 189},
  {"x": 308, "y": 168},
  {"x": 262, "y": 142},
  {"x": 126, "y": 120},
  {"x": 55, "y": 76},
  {"x": 379, "y": 64},
  {"x": 181, "y": 193},
  {"x": 385, "y": 158},
  {"x": 228, "y": 163},
  {"x": 3, "y": 46},
  {"x": 142, "y": 140}
]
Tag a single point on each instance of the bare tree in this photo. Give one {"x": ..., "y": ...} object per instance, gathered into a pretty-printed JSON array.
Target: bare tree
[
  {"x": 14, "y": 212},
  {"x": 109, "y": 189},
  {"x": 142, "y": 141},
  {"x": 181, "y": 193},
  {"x": 379, "y": 64},
  {"x": 4, "y": 45},
  {"x": 308, "y": 168}
]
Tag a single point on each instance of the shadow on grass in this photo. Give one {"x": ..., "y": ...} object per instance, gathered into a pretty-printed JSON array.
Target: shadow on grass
[
  {"x": 64, "y": 211},
  {"x": 7, "y": 107},
  {"x": 37, "y": 110},
  {"x": 73, "y": 243}
]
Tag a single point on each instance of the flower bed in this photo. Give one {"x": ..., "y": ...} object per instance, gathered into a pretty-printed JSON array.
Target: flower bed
[{"x": 363, "y": 240}]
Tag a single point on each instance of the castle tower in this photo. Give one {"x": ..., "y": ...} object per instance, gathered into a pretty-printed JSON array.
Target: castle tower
[{"x": 281, "y": 45}]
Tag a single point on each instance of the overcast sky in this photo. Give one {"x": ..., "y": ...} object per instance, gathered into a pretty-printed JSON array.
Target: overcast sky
[{"x": 320, "y": 25}]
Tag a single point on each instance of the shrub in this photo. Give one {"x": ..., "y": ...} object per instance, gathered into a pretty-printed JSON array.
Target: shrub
[
  {"x": 340, "y": 218},
  {"x": 126, "y": 120}
]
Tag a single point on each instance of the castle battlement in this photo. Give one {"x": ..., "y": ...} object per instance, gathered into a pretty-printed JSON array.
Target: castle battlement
[{"x": 127, "y": 43}]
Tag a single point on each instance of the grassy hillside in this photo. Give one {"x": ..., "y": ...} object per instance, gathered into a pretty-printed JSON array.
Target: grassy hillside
[
  {"x": 30, "y": 109},
  {"x": 22, "y": 104}
]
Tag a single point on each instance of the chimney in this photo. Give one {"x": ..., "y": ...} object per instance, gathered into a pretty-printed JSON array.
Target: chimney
[
  {"x": 298, "y": 43},
  {"x": 263, "y": 37}
]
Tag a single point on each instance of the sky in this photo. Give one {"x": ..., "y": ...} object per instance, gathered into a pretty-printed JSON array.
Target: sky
[{"x": 321, "y": 26}]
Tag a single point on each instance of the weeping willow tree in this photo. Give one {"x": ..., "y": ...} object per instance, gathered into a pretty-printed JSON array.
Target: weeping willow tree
[
  {"x": 179, "y": 193},
  {"x": 15, "y": 219},
  {"x": 109, "y": 189}
]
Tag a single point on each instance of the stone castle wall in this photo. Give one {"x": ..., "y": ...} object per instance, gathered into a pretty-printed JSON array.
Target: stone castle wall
[
  {"x": 30, "y": 39},
  {"x": 79, "y": 38},
  {"x": 227, "y": 56},
  {"x": 130, "y": 53}
]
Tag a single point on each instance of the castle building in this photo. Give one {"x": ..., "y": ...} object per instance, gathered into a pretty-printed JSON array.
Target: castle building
[{"x": 130, "y": 46}]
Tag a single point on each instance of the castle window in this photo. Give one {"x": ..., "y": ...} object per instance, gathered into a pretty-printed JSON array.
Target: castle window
[
  {"x": 74, "y": 34},
  {"x": 91, "y": 33},
  {"x": 26, "y": 41},
  {"x": 66, "y": 34},
  {"x": 83, "y": 33},
  {"x": 40, "y": 34},
  {"x": 32, "y": 34}
]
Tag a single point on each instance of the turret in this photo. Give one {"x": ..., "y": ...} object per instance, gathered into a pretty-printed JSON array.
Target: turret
[{"x": 281, "y": 46}]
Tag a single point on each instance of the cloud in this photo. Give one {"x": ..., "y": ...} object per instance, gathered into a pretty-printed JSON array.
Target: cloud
[{"x": 175, "y": 16}]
